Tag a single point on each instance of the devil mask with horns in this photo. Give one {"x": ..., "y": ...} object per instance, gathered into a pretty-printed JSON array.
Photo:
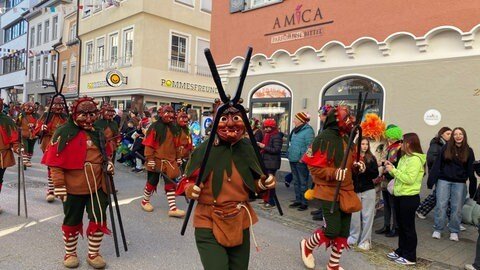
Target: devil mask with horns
[{"x": 84, "y": 112}]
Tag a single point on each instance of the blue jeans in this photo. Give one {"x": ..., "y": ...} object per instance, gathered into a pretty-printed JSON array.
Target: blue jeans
[
  {"x": 455, "y": 193},
  {"x": 476, "y": 264},
  {"x": 301, "y": 179}
]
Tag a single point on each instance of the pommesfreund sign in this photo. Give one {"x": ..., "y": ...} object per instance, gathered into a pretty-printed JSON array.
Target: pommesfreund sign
[
  {"x": 188, "y": 86},
  {"x": 301, "y": 23}
]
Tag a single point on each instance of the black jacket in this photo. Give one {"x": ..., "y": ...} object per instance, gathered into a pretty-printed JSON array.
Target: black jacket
[
  {"x": 258, "y": 135},
  {"x": 272, "y": 152},
  {"x": 453, "y": 171},
  {"x": 364, "y": 181},
  {"x": 436, "y": 145}
]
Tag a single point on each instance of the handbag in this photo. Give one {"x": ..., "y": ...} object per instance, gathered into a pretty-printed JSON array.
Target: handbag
[
  {"x": 390, "y": 186},
  {"x": 228, "y": 225},
  {"x": 349, "y": 202}
]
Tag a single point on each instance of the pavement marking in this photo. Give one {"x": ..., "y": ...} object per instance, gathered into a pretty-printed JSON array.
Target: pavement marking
[
  {"x": 12, "y": 229},
  {"x": 127, "y": 201}
]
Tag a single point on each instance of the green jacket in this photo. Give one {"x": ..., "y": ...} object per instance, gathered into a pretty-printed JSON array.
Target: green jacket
[{"x": 409, "y": 174}]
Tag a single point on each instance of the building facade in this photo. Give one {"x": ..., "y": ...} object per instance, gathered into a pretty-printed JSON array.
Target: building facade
[
  {"x": 13, "y": 48},
  {"x": 45, "y": 21},
  {"x": 153, "y": 50},
  {"x": 419, "y": 64}
]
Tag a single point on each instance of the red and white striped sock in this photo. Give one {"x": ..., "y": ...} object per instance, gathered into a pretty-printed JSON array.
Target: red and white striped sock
[
  {"x": 313, "y": 241},
  {"x": 146, "y": 196},
  {"x": 50, "y": 186},
  {"x": 334, "y": 262},
  {"x": 70, "y": 244},
  {"x": 94, "y": 241},
  {"x": 171, "y": 200}
]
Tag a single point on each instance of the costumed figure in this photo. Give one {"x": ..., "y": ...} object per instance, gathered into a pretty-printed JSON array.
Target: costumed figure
[
  {"x": 161, "y": 160},
  {"x": 45, "y": 131},
  {"x": 183, "y": 140},
  {"x": 27, "y": 121},
  {"x": 223, "y": 216},
  {"x": 324, "y": 158},
  {"x": 79, "y": 180},
  {"x": 8, "y": 142},
  {"x": 109, "y": 127}
]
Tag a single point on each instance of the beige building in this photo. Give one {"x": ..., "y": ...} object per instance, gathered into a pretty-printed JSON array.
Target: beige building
[{"x": 151, "y": 50}]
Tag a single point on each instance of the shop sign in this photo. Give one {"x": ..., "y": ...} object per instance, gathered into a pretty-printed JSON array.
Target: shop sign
[
  {"x": 99, "y": 84},
  {"x": 301, "y": 23},
  {"x": 272, "y": 91},
  {"x": 432, "y": 117},
  {"x": 115, "y": 78},
  {"x": 188, "y": 86}
]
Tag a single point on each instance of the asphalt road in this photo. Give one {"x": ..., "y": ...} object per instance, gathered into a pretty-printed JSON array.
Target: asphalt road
[{"x": 154, "y": 239}]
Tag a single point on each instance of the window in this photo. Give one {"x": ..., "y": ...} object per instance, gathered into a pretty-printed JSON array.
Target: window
[
  {"x": 97, "y": 5},
  {"x": 30, "y": 70},
  {"x": 55, "y": 27},
  {"x": 261, "y": 3},
  {"x": 15, "y": 30},
  {"x": 202, "y": 64},
  {"x": 64, "y": 68},
  {"x": 45, "y": 67},
  {"x": 89, "y": 58},
  {"x": 13, "y": 63},
  {"x": 113, "y": 49},
  {"x": 54, "y": 65},
  {"x": 186, "y": 2},
  {"x": 73, "y": 71},
  {"x": 178, "y": 53},
  {"x": 39, "y": 34},
  {"x": 100, "y": 53},
  {"x": 206, "y": 5},
  {"x": 87, "y": 7},
  {"x": 37, "y": 69},
  {"x": 46, "y": 33},
  {"x": 32, "y": 37},
  {"x": 127, "y": 46},
  {"x": 12, "y": 3},
  {"x": 73, "y": 32}
]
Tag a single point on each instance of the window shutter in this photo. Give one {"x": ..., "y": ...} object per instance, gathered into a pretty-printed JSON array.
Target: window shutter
[{"x": 237, "y": 5}]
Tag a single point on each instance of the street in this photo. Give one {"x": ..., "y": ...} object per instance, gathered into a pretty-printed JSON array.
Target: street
[{"x": 154, "y": 240}]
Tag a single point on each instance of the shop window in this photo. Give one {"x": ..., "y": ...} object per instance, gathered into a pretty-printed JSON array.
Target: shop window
[
  {"x": 345, "y": 91},
  {"x": 206, "y": 5},
  {"x": 273, "y": 100}
]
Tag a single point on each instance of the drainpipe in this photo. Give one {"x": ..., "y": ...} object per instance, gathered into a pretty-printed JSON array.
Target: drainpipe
[{"x": 79, "y": 49}]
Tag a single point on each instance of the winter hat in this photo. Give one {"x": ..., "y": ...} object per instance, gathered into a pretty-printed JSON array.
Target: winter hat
[
  {"x": 302, "y": 117},
  {"x": 270, "y": 122},
  {"x": 393, "y": 132}
]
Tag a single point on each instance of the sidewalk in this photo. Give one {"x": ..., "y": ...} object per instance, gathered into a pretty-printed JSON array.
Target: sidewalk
[{"x": 432, "y": 253}]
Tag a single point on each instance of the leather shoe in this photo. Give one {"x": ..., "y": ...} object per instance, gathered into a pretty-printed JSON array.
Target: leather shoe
[
  {"x": 295, "y": 205},
  {"x": 392, "y": 233},
  {"x": 384, "y": 230},
  {"x": 316, "y": 212},
  {"x": 302, "y": 207}
]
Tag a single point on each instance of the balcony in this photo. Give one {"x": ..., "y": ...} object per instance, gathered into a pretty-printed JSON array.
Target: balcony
[
  {"x": 114, "y": 63},
  {"x": 185, "y": 67}
]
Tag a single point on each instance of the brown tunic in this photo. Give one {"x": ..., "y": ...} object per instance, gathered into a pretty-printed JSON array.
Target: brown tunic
[
  {"x": 233, "y": 191},
  {"x": 27, "y": 126},
  {"x": 55, "y": 122},
  {"x": 165, "y": 156},
  {"x": 184, "y": 147},
  {"x": 77, "y": 181},
  {"x": 6, "y": 154}
]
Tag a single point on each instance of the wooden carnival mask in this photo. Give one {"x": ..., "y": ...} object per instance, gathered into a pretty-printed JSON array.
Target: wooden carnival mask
[
  {"x": 167, "y": 114},
  {"x": 84, "y": 112},
  {"x": 231, "y": 127}
]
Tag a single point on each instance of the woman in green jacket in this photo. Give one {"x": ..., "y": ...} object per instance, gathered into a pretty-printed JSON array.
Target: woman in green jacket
[{"x": 408, "y": 180}]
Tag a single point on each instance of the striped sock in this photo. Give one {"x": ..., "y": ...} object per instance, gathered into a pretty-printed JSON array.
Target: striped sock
[
  {"x": 313, "y": 241},
  {"x": 171, "y": 200},
  {"x": 146, "y": 196},
  {"x": 70, "y": 244},
  {"x": 50, "y": 186},
  {"x": 94, "y": 241},
  {"x": 334, "y": 262}
]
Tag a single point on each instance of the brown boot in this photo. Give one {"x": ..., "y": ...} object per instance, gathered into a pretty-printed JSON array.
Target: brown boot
[
  {"x": 70, "y": 240},
  {"x": 147, "y": 193},
  {"x": 97, "y": 262},
  {"x": 71, "y": 261},
  {"x": 147, "y": 206},
  {"x": 50, "y": 198},
  {"x": 176, "y": 213}
]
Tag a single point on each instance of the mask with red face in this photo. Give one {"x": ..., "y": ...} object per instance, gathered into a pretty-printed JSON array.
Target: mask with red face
[
  {"x": 182, "y": 119},
  {"x": 107, "y": 112},
  {"x": 345, "y": 121},
  {"x": 58, "y": 106},
  {"x": 167, "y": 114},
  {"x": 84, "y": 112},
  {"x": 231, "y": 127},
  {"x": 28, "y": 108}
]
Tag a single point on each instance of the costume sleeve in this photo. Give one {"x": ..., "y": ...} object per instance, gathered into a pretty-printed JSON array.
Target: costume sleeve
[
  {"x": 58, "y": 176},
  {"x": 409, "y": 173}
]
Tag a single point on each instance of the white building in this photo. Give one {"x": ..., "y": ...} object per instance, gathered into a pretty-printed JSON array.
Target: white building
[
  {"x": 13, "y": 39},
  {"x": 45, "y": 22}
]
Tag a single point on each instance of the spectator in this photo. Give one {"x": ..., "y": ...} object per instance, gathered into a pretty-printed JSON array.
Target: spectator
[
  {"x": 271, "y": 149},
  {"x": 449, "y": 173},
  {"x": 300, "y": 138},
  {"x": 257, "y": 132},
  {"x": 476, "y": 263},
  {"x": 118, "y": 116},
  {"x": 408, "y": 177},
  {"x": 393, "y": 134},
  {"x": 362, "y": 222},
  {"x": 436, "y": 144}
]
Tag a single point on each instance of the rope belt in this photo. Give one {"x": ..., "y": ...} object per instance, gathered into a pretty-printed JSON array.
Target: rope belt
[
  {"x": 239, "y": 207},
  {"x": 89, "y": 164}
]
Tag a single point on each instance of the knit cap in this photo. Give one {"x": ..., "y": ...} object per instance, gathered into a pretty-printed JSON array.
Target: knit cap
[
  {"x": 302, "y": 117},
  {"x": 393, "y": 132}
]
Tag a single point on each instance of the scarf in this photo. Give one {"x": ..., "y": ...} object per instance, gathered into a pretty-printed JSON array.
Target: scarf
[{"x": 267, "y": 137}]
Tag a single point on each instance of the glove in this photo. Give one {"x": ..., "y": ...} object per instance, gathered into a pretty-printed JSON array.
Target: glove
[
  {"x": 267, "y": 183},
  {"x": 340, "y": 174},
  {"x": 360, "y": 166},
  {"x": 110, "y": 168},
  {"x": 61, "y": 193},
  {"x": 193, "y": 191},
  {"x": 44, "y": 127},
  {"x": 151, "y": 164}
]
